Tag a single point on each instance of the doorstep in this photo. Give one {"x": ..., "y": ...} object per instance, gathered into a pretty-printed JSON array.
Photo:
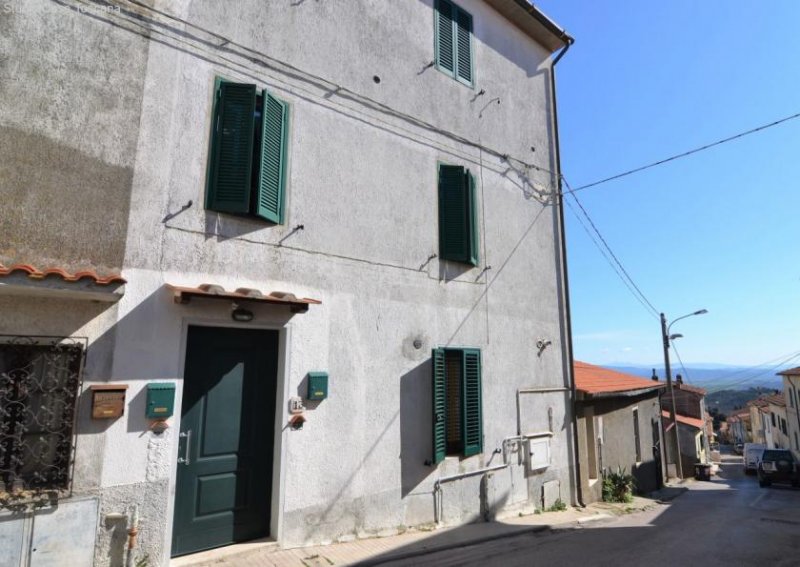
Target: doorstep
[{"x": 222, "y": 554}]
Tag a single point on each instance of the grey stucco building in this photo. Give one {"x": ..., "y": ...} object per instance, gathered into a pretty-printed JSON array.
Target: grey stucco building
[
  {"x": 239, "y": 199},
  {"x": 619, "y": 426}
]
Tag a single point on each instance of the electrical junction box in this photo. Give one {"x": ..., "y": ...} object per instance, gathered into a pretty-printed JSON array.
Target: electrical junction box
[
  {"x": 317, "y": 386},
  {"x": 160, "y": 400},
  {"x": 538, "y": 453}
]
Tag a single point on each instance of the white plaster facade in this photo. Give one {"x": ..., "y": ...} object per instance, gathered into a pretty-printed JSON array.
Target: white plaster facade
[{"x": 362, "y": 178}]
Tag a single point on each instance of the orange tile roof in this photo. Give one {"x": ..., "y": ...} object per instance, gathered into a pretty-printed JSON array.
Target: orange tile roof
[
  {"x": 37, "y": 274},
  {"x": 693, "y": 421},
  {"x": 765, "y": 400},
  {"x": 591, "y": 379},
  {"x": 776, "y": 400},
  {"x": 790, "y": 372}
]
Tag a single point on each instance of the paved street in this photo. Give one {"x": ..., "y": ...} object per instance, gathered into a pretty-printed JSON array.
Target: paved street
[{"x": 729, "y": 521}]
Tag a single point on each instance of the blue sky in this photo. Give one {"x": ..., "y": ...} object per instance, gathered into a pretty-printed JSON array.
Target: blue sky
[{"x": 718, "y": 230}]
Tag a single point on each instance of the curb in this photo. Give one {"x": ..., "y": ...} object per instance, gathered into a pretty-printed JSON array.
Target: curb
[
  {"x": 370, "y": 562},
  {"x": 679, "y": 490},
  {"x": 595, "y": 518}
]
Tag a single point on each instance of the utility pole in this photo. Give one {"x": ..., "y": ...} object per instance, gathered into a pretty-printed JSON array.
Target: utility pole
[{"x": 672, "y": 412}]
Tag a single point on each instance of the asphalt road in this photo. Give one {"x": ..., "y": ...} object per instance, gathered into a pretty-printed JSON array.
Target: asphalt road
[{"x": 729, "y": 521}]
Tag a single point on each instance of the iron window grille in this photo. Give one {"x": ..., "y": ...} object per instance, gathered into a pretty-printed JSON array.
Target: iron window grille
[{"x": 40, "y": 378}]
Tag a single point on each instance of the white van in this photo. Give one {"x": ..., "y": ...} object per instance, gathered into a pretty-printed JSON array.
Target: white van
[{"x": 752, "y": 454}]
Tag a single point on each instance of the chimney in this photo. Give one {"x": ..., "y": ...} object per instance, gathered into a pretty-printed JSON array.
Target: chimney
[
  {"x": 654, "y": 377},
  {"x": 679, "y": 379}
]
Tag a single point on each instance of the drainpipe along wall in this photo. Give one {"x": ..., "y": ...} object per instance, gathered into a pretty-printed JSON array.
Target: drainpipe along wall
[{"x": 578, "y": 492}]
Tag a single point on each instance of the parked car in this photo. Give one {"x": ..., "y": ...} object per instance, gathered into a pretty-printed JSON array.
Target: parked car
[
  {"x": 777, "y": 465},
  {"x": 752, "y": 453},
  {"x": 738, "y": 448}
]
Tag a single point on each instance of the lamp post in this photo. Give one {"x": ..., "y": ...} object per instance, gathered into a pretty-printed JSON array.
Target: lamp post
[{"x": 666, "y": 337}]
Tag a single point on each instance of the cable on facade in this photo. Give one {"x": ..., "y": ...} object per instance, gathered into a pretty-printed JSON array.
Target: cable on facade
[{"x": 262, "y": 60}]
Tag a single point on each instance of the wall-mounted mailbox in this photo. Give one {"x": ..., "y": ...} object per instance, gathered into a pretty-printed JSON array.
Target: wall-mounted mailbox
[
  {"x": 108, "y": 400},
  {"x": 160, "y": 400},
  {"x": 317, "y": 386}
]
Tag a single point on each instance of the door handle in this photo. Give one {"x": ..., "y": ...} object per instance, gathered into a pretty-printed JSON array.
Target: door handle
[{"x": 186, "y": 447}]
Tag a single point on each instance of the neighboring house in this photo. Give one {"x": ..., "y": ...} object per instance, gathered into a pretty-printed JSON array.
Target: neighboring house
[
  {"x": 760, "y": 420},
  {"x": 791, "y": 393},
  {"x": 724, "y": 432},
  {"x": 619, "y": 425},
  {"x": 709, "y": 429},
  {"x": 691, "y": 439},
  {"x": 739, "y": 427},
  {"x": 691, "y": 414},
  {"x": 779, "y": 427},
  {"x": 286, "y": 270}
]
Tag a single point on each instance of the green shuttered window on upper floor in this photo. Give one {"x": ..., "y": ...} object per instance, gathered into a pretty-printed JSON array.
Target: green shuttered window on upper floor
[
  {"x": 247, "y": 163},
  {"x": 457, "y": 403},
  {"x": 453, "y": 41},
  {"x": 458, "y": 227}
]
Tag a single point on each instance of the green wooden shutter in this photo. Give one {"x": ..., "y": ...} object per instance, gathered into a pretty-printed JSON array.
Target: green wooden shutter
[
  {"x": 444, "y": 36},
  {"x": 472, "y": 412},
  {"x": 271, "y": 178},
  {"x": 439, "y": 406},
  {"x": 232, "y": 149},
  {"x": 463, "y": 47},
  {"x": 457, "y": 205},
  {"x": 472, "y": 219}
]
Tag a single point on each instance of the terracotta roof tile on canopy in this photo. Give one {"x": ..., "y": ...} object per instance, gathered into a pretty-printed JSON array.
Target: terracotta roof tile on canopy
[
  {"x": 213, "y": 291},
  {"x": 37, "y": 274},
  {"x": 686, "y": 420},
  {"x": 59, "y": 283},
  {"x": 596, "y": 380},
  {"x": 790, "y": 372}
]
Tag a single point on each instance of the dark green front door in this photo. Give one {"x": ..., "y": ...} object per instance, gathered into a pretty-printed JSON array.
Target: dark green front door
[{"x": 226, "y": 438}]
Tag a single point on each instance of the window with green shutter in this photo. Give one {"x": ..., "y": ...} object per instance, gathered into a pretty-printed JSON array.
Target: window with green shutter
[
  {"x": 457, "y": 403},
  {"x": 453, "y": 50},
  {"x": 247, "y": 161},
  {"x": 458, "y": 227}
]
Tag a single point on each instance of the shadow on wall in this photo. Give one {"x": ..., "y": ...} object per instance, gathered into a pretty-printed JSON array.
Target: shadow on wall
[{"x": 416, "y": 426}]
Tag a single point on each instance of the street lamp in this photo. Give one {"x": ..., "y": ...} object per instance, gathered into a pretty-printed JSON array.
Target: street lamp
[{"x": 666, "y": 337}]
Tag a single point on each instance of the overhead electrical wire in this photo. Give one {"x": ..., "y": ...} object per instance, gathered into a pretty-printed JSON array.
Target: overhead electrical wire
[
  {"x": 770, "y": 361},
  {"x": 683, "y": 368},
  {"x": 610, "y": 261},
  {"x": 609, "y": 255},
  {"x": 730, "y": 385},
  {"x": 686, "y": 153}
]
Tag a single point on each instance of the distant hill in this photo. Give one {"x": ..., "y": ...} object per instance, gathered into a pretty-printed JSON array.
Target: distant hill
[
  {"x": 727, "y": 401},
  {"x": 713, "y": 378}
]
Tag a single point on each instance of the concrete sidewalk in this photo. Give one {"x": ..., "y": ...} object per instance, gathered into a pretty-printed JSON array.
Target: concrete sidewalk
[{"x": 374, "y": 551}]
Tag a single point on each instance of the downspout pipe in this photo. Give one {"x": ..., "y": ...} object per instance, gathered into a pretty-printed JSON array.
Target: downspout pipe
[{"x": 568, "y": 41}]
